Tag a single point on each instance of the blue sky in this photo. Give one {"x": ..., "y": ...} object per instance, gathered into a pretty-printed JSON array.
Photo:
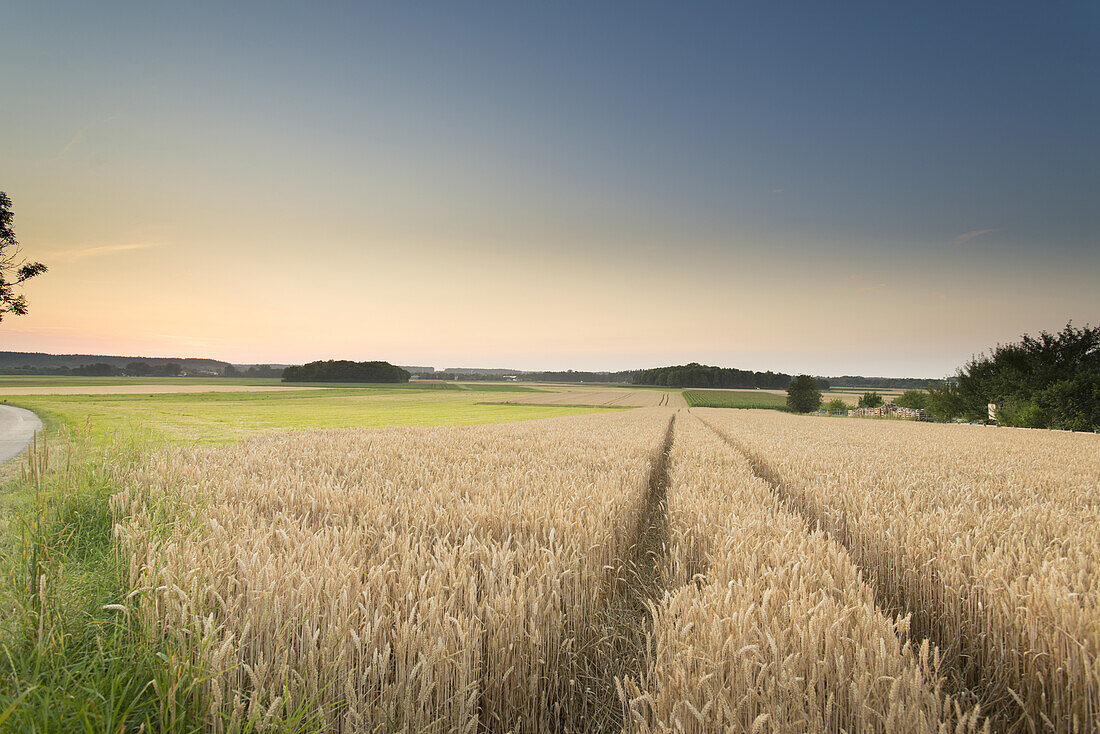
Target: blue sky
[{"x": 831, "y": 188}]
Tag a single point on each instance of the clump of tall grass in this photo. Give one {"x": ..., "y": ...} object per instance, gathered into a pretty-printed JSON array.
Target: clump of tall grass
[{"x": 71, "y": 656}]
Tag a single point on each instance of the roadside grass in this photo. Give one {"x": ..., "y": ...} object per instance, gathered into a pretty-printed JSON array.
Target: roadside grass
[
  {"x": 734, "y": 399},
  {"x": 71, "y": 659}
]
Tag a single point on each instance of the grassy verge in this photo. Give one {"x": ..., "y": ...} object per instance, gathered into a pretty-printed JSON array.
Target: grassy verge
[
  {"x": 70, "y": 657},
  {"x": 734, "y": 399}
]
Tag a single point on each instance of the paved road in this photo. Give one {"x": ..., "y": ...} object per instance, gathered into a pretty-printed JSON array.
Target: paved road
[{"x": 17, "y": 428}]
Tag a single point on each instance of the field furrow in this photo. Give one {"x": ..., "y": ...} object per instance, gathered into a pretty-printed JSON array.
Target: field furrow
[
  {"x": 445, "y": 579},
  {"x": 987, "y": 537},
  {"x": 768, "y": 626}
]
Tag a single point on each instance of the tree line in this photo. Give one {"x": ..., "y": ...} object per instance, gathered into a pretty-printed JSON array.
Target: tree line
[
  {"x": 698, "y": 375},
  {"x": 133, "y": 369},
  {"x": 1047, "y": 381},
  {"x": 575, "y": 376},
  {"x": 342, "y": 370},
  {"x": 253, "y": 371}
]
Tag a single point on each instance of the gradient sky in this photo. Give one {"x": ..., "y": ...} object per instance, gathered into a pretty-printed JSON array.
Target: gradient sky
[{"x": 833, "y": 188}]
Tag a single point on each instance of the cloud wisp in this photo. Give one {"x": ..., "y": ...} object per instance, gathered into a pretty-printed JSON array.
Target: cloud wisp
[
  {"x": 69, "y": 256},
  {"x": 971, "y": 235},
  {"x": 78, "y": 137}
]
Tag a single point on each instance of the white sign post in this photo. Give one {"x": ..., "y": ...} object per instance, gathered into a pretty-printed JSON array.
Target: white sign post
[{"x": 992, "y": 411}]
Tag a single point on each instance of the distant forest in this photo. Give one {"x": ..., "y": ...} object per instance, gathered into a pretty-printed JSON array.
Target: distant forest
[
  {"x": 342, "y": 370},
  {"x": 698, "y": 375},
  {"x": 571, "y": 376},
  {"x": 37, "y": 363}
]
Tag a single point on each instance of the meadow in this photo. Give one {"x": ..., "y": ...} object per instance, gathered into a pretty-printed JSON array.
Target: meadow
[
  {"x": 417, "y": 559},
  {"x": 224, "y": 416}
]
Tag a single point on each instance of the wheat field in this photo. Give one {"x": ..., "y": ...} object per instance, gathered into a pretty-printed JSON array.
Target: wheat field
[
  {"x": 770, "y": 625},
  {"x": 988, "y": 537},
  {"x": 652, "y": 570},
  {"x": 433, "y": 579}
]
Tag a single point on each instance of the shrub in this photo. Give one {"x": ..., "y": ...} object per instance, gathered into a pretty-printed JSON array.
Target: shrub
[
  {"x": 915, "y": 399},
  {"x": 870, "y": 400}
]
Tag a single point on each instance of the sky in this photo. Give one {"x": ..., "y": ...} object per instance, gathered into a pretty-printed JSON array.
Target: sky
[{"x": 830, "y": 188}]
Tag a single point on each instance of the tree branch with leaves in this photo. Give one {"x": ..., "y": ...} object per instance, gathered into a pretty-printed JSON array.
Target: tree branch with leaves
[{"x": 14, "y": 271}]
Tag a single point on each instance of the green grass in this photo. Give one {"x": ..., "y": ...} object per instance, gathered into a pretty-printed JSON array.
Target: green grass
[
  {"x": 734, "y": 399},
  {"x": 66, "y": 662},
  {"x": 219, "y": 417}
]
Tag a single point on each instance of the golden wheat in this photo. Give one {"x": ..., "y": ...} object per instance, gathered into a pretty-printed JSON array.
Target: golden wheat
[
  {"x": 988, "y": 536},
  {"x": 441, "y": 579},
  {"x": 491, "y": 578},
  {"x": 768, "y": 626}
]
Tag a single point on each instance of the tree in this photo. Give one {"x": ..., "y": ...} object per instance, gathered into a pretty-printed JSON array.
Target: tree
[
  {"x": 915, "y": 399},
  {"x": 870, "y": 400},
  {"x": 345, "y": 371},
  {"x": 944, "y": 402},
  {"x": 138, "y": 369},
  {"x": 13, "y": 271},
  {"x": 803, "y": 394},
  {"x": 1045, "y": 381},
  {"x": 837, "y": 404},
  {"x": 99, "y": 369}
]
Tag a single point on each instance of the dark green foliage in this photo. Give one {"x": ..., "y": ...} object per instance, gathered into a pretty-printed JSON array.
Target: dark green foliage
[
  {"x": 803, "y": 394},
  {"x": 139, "y": 369},
  {"x": 915, "y": 399},
  {"x": 837, "y": 404},
  {"x": 13, "y": 271},
  {"x": 698, "y": 375},
  {"x": 253, "y": 371},
  {"x": 132, "y": 369},
  {"x": 1048, "y": 381},
  {"x": 342, "y": 370},
  {"x": 870, "y": 400},
  {"x": 944, "y": 402},
  {"x": 260, "y": 370},
  {"x": 572, "y": 376},
  {"x": 36, "y": 363},
  {"x": 99, "y": 369}
]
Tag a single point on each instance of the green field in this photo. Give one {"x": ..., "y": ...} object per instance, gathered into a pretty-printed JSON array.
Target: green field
[
  {"x": 224, "y": 416},
  {"x": 7, "y": 381},
  {"x": 734, "y": 399}
]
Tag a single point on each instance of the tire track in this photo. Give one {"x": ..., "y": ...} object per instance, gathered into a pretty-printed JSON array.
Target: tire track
[
  {"x": 620, "y": 651},
  {"x": 963, "y": 682}
]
